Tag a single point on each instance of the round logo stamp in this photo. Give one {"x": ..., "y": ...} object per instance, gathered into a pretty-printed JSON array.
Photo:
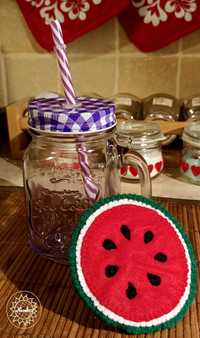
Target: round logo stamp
[{"x": 23, "y": 309}]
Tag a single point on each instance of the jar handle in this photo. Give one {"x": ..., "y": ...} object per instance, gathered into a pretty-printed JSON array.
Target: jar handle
[{"x": 134, "y": 159}]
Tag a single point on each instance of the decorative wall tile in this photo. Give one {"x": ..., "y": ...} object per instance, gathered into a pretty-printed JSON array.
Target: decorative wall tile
[
  {"x": 190, "y": 78},
  {"x": 144, "y": 76},
  {"x": 93, "y": 74},
  {"x": 15, "y": 35},
  {"x": 30, "y": 74}
]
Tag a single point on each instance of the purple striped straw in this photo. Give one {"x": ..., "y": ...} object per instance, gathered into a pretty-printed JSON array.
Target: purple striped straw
[
  {"x": 91, "y": 189},
  {"x": 63, "y": 62}
]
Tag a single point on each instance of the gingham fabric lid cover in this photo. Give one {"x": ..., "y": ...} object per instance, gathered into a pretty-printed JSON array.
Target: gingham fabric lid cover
[{"x": 55, "y": 115}]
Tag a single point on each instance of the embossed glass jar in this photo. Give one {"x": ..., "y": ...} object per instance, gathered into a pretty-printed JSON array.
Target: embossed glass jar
[
  {"x": 146, "y": 139},
  {"x": 57, "y": 179},
  {"x": 190, "y": 164}
]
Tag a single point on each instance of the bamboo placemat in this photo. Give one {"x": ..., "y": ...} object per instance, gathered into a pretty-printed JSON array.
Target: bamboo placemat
[{"x": 63, "y": 313}]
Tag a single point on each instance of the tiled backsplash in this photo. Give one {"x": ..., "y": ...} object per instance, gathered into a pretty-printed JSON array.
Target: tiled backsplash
[{"x": 102, "y": 61}]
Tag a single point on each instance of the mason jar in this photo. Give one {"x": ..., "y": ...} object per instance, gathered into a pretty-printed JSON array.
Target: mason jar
[
  {"x": 190, "y": 163},
  {"x": 146, "y": 139},
  {"x": 71, "y": 163}
]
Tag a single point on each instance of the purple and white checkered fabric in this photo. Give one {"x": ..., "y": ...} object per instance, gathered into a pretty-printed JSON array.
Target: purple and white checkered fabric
[{"x": 54, "y": 115}]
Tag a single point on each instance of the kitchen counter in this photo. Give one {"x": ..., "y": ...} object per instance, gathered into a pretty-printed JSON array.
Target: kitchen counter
[{"x": 166, "y": 185}]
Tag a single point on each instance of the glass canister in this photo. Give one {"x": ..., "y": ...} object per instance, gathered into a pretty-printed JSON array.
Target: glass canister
[
  {"x": 146, "y": 139},
  {"x": 191, "y": 108},
  {"x": 190, "y": 163},
  {"x": 161, "y": 107},
  {"x": 128, "y": 106},
  {"x": 71, "y": 162}
]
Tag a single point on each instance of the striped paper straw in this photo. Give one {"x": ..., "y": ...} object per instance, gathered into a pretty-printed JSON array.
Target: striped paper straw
[
  {"x": 63, "y": 62},
  {"x": 91, "y": 189}
]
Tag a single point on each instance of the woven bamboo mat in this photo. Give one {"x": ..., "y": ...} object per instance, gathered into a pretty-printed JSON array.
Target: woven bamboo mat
[{"x": 63, "y": 313}]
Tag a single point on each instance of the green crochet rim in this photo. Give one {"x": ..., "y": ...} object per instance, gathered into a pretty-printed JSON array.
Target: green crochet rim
[{"x": 72, "y": 260}]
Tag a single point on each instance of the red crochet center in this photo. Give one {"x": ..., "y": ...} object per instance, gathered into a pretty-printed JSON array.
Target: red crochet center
[{"x": 135, "y": 259}]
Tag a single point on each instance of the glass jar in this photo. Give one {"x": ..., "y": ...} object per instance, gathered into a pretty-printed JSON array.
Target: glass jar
[
  {"x": 191, "y": 109},
  {"x": 146, "y": 139},
  {"x": 190, "y": 163},
  {"x": 128, "y": 106},
  {"x": 66, "y": 171},
  {"x": 161, "y": 107}
]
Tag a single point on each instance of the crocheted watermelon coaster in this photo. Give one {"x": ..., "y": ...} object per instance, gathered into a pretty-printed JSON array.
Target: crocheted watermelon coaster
[{"x": 133, "y": 264}]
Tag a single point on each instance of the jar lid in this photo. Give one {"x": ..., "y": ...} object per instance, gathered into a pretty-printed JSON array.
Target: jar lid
[
  {"x": 191, "y": 134},
  {"x": 54, "y": 115},
  {"x": 138, "y": 133}
]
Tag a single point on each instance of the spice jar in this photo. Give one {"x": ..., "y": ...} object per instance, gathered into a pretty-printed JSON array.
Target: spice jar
[
  {"x": 161, "y": 107},
  {"x": 191, "y": 109},
  {"x": 128, "y": 106},
  {"x": 145, "y": 138},
  {"x": 190, "y": 163},
  {"x": 71, "y": 162}
]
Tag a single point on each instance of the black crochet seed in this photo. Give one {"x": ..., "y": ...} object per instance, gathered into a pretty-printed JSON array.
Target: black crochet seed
[
  {"x": 111, "y": 270},
  {"x": 108, "y": 244},
  {"x": 160, "y": 257},
  {"x": 125, "y": 231},
  {"x": 131, "y": 291},
  {"x": 148, "y": 236},
  {"x": 155, "y": 280}
]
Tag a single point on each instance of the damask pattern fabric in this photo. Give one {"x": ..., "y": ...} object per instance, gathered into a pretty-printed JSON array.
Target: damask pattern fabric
[
  {"x": 149, "y": 24},
  {"x": 77, "y": 17},
  {"x": 153, "y": 24}
]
